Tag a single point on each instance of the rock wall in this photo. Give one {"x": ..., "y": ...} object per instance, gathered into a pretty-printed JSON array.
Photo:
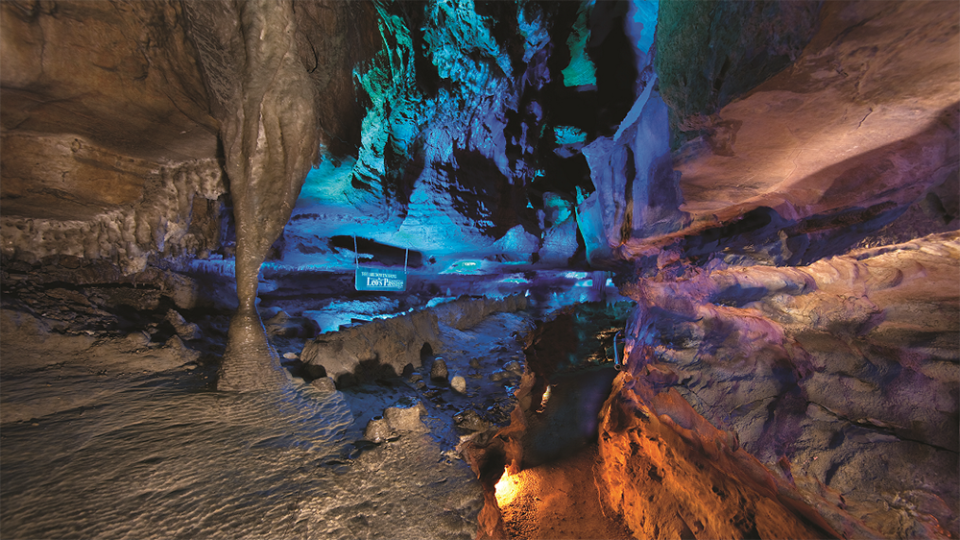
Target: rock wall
[
  {"x": 175, "y": 217},
  {"x": 793, "y": 360},
  {"x": 121, "y": 75},
  {"x": 866, "y": 121},
  {"x": 669, "y": 473},
  {"x": 709, "y": 54},
  {"x": 107, "y": 147},
  {"x": 481, "y": 117},
  {"x": 841, "y": 378}
]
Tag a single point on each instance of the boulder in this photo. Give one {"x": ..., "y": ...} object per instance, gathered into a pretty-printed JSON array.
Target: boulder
[
  {"x": 379, "y": 348},
  {"x": 438, "y": 371}
]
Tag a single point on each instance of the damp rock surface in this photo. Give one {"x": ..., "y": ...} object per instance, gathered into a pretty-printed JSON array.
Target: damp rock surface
[
  {"x": 819, "y": 373},
  {"x": 378, "y": 348},
  {"x": 438, "y": 370},
  {"x": 459, "y": 384},
  {"x": 281, "y": 457},
  {"x": 385, "y": 347},
  {"x": 294, "y": 460}
]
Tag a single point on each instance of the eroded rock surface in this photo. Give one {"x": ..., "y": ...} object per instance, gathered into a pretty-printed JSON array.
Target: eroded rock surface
[
  {"x": 760, "y": 399},
  {"x": 108, "y": 146},
  {"x": 386, "y": 347},
  {"x": 841, "y": 378},
  {"x": 866, "y": 120},
  {"x": 830, "y": 388},
  {"x": 267, "y": 105},
  {"x": 379, "y": 348}
]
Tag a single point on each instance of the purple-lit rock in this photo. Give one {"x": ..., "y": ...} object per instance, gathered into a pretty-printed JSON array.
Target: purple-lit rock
[{"x": 773, "y": 183}]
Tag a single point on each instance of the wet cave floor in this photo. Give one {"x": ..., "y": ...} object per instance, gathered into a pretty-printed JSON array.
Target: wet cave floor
[{"x": 105, "y": 440}]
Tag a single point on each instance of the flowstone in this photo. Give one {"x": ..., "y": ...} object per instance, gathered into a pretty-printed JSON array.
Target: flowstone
[{"x": 266, "y": 105}]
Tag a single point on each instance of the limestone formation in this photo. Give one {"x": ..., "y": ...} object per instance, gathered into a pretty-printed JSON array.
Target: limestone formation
[
  {"x": 385, "y": 347},
  {"x": 377, "y": 430},
  {"x": 108, "y": 152},
  {"x": 438, "y": 370},
  {"x": 266, "y": 105},
  {"x": 189, "y": 186},
  {"x": 851, "y": 361},
  {"x": 405, "y": 419},
  {"x": 324, "y": 384},
  {"x": 376, "y": 349}
]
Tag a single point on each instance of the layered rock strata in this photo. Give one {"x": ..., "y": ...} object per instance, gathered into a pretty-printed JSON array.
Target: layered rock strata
[
  {"x": 108, "y": 147},
  {"x": 832, "y": 387},
  {"x": 861, "y": 126}
]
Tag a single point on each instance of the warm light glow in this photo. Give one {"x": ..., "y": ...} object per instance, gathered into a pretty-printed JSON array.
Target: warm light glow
[
  {"x": 507, "y": 489},
  {"x": 545, "y": 398}
]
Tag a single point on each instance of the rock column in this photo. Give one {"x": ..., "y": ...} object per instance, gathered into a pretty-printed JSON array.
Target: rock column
[{"x": 266, "y": 105}]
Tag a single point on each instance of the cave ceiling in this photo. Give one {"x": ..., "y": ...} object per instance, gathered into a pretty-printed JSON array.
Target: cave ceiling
[
  {"x": 453, "y": 128},
  {"x": 830, "y": 131},
  {"x": 773, "y": 185}
]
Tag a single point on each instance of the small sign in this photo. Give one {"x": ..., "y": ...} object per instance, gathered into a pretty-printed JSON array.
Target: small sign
[{"x": 379, "y": 279}]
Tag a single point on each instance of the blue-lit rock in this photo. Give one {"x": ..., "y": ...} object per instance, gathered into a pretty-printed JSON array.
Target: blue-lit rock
[
  {"x": 637, "y": 190},
  {"x": 458, "y": 138},
  {"x": 580, "y": 73}
]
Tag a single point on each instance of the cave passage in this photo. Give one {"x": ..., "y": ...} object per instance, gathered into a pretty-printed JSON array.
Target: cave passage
[{"x": 527, "y": 269}]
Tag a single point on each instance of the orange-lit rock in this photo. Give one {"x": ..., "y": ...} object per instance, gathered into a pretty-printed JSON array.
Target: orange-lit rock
[
  {"x": 507, "y": 489},
  {"x": 796, "y": 345},
  {"x": 558, "y": 500},
  {"x": 670, "y": 474},
  {"x": 835, "y": 384}
]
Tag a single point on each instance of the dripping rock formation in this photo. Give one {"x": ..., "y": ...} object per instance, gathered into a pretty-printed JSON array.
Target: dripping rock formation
[{"x": 697, "y": 262}]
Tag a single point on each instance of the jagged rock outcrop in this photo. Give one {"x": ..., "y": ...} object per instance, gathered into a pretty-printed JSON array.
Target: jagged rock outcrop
[
  {"x": 841, "y": 378},
  {"x": 385, "y": 347},
  {"x": 175, "y": 217},
  {"x": 670, "y": 473},
  {"x": 756, "y": 393},
  {"x": 381, "y": 348},
  {"x": 481, "y": 118}
]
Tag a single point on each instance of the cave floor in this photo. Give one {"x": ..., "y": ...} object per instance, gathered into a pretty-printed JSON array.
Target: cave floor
[
  {"x": 559, "y": 500},
  {"x": 120, "y": 437},
  {"x": 163, "y": 455}
]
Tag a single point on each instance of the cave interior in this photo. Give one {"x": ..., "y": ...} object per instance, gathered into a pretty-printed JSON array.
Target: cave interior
[{"x": 527, "y": 269}]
